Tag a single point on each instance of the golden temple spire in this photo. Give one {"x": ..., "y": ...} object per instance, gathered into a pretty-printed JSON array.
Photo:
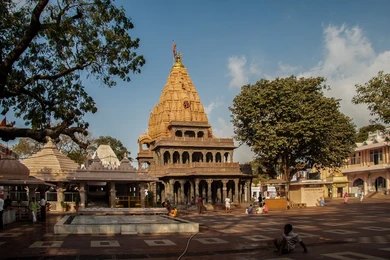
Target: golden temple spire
[{"x": 179, "y": 101}]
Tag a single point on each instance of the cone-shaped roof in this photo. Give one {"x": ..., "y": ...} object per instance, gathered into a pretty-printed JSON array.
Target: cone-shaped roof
[
  {"x": 50, "y": 164},
  {"x": 107, "y": 156},
  {"x": 13, "y": 169},
  {"x": 179, "y": 101}
]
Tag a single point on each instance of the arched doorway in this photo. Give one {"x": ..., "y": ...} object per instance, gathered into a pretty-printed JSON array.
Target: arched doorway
[
  {"x": 380, "y": 184},
  {"x": 358, "y": 186}
]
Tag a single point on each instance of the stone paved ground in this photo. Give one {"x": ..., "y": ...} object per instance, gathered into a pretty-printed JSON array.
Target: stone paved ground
[{"x": 337, "y": 231}]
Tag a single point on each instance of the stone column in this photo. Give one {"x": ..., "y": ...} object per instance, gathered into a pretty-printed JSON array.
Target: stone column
[
  {"x": 246, "y": 192},
  {"x": 154, "y": 190},
  {"x": 82, "y": 195},
  {"x": 224, "y": 189},
  {"x": 197, "y": 187},
  {"x": 60, "y": 195},
  {"x": 209, "y": 198},
  {"x": 171, "y": 195},
  {"x": 112, "y": 199},
  {"x": 236, "y": 191},
  {"x": 142, "y": 190},
  {"x": 182, "y": 195}
]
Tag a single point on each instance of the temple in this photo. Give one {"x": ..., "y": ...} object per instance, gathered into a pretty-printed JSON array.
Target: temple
[
  {"x": 181, "y": 150},
  {"x": 179, "y": 159}
]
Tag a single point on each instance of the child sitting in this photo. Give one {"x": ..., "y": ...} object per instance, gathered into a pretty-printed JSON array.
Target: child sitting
[{"x": 288, "y": 241}]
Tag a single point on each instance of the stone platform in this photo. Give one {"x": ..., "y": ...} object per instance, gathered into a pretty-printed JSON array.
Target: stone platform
[{"x": 128, "y": 224}]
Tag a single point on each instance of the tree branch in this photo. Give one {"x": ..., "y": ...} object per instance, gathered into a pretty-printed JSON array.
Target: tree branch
[
  {"x": 11, "y": 133},
  {"x": 30, "y": 33}
]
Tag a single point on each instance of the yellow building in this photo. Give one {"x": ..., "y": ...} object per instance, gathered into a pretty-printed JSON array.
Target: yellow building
[{"x": 368, "y": 168}]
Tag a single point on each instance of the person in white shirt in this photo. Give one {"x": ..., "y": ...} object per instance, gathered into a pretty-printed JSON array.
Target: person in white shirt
[
  {"x": 42, "y": 204},
  {"x": 288, "y": 241},
  {"x": 227, "y": 204}
]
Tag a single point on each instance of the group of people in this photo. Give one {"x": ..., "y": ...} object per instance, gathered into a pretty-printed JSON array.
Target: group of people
[{"x": 33, "y": 206}]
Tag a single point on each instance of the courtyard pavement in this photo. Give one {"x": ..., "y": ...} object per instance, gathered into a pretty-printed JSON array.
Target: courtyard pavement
[{"x": 337, "y": 231}]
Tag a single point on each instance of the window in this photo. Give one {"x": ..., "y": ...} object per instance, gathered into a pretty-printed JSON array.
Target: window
[
  {"x": 355, "y": 159},
  {"x": 189, "y": 134},
  {"x": 376, "y": 156},
  {"x": 179, "y": 133}
]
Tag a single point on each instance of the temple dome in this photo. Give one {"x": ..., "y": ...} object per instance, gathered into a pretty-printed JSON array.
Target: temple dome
[
  {"x": 179, "y": 101},
  {"x": 13, "y": 169}
]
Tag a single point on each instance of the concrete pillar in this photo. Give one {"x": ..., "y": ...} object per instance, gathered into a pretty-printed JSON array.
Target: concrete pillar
[
  {"x": 224, "y": 189},
  {"x": 236, "y": 191},
  {"x": 197, "y": 188},
  {"x": 82, "y": 195},
  {"x": 142, "y": 191},
  {"x": 171, "y": 195},
  {"x": 209, "y": 198},
  {"x": 182, "y": 195},
  {"x": 60, "y": 195},
  {"x": 246, "y": 191},
  {"x": 112, "y": 200}
]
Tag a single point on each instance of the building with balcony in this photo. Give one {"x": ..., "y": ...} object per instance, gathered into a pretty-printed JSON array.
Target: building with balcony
[{"x": 368, "y": 168}]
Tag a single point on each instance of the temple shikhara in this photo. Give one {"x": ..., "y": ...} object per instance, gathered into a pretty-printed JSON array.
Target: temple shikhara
[{"x": 181, "y": 150}]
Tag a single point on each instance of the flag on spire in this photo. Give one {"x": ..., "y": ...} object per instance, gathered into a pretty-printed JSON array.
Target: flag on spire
[{"x": 174, "y": 50}]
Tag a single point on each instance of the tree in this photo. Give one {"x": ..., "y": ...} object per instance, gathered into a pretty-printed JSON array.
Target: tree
[
  {"x": 290, "y": 125},
  {"x": 26, "y": 147},
  {"x": 362, "y": 133},
  {"x": 376, "y": 94},
  {"x": 48, "y": 49},
  {"x": 115, "y": 144},
  {"x": 71, "y": 149}
]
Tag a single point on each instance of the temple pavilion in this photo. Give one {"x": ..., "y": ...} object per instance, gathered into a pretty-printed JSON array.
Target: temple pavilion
[{"x": 180, "y": 149}]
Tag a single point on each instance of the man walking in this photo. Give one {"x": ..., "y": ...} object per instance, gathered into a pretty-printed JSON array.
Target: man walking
[{"x": 42, "y": 204}]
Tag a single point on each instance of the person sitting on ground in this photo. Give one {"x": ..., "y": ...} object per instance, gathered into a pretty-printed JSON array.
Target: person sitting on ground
[
  {"x": 322, "y": 202},
  {"x": 167, "y": 205},
  {"x": 249, "y": 210},
  {"x": 265, "y": 208},
  {"x": 173, "y": 212},
  {"x": 288, "y": 241}
]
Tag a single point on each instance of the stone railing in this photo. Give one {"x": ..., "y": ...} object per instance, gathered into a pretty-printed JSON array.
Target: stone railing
[
  {"x": 194, "y": 141},
  {"x": 198, "y": 166}
]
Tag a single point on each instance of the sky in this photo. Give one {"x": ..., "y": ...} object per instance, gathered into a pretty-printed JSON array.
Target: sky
[{"x": 226, "y": 44}]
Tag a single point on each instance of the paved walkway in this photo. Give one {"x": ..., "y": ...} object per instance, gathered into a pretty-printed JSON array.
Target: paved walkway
[{"x": 336, "y": 231}]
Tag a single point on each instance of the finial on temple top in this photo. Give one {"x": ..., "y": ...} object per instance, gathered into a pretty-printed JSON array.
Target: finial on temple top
[{"x": 177, "y": 56}]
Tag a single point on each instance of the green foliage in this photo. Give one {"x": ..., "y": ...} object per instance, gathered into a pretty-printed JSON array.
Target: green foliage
[
  {"x": 26, "y": 147},
  {"x": 290, "y": 124},
  {"x": 376, "y": 95},
  {"x": 115, "y": 144},
  {"x": 48, "y": 50},
  {"x": 362, "y": 134}
]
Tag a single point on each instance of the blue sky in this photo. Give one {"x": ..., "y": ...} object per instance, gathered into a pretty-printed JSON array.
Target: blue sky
[{"x": 226, "y": 44}]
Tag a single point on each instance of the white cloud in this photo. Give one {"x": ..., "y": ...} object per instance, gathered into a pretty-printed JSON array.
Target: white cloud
[
  {"x": 349, "y": 59},
  {"x": 237, "y": 71},
  {"x": 224, "y": 129},
  {"x": 212, "y": 106},
  {"x": 241, "y": 72},
  {"x": 287, "y": 69}
]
